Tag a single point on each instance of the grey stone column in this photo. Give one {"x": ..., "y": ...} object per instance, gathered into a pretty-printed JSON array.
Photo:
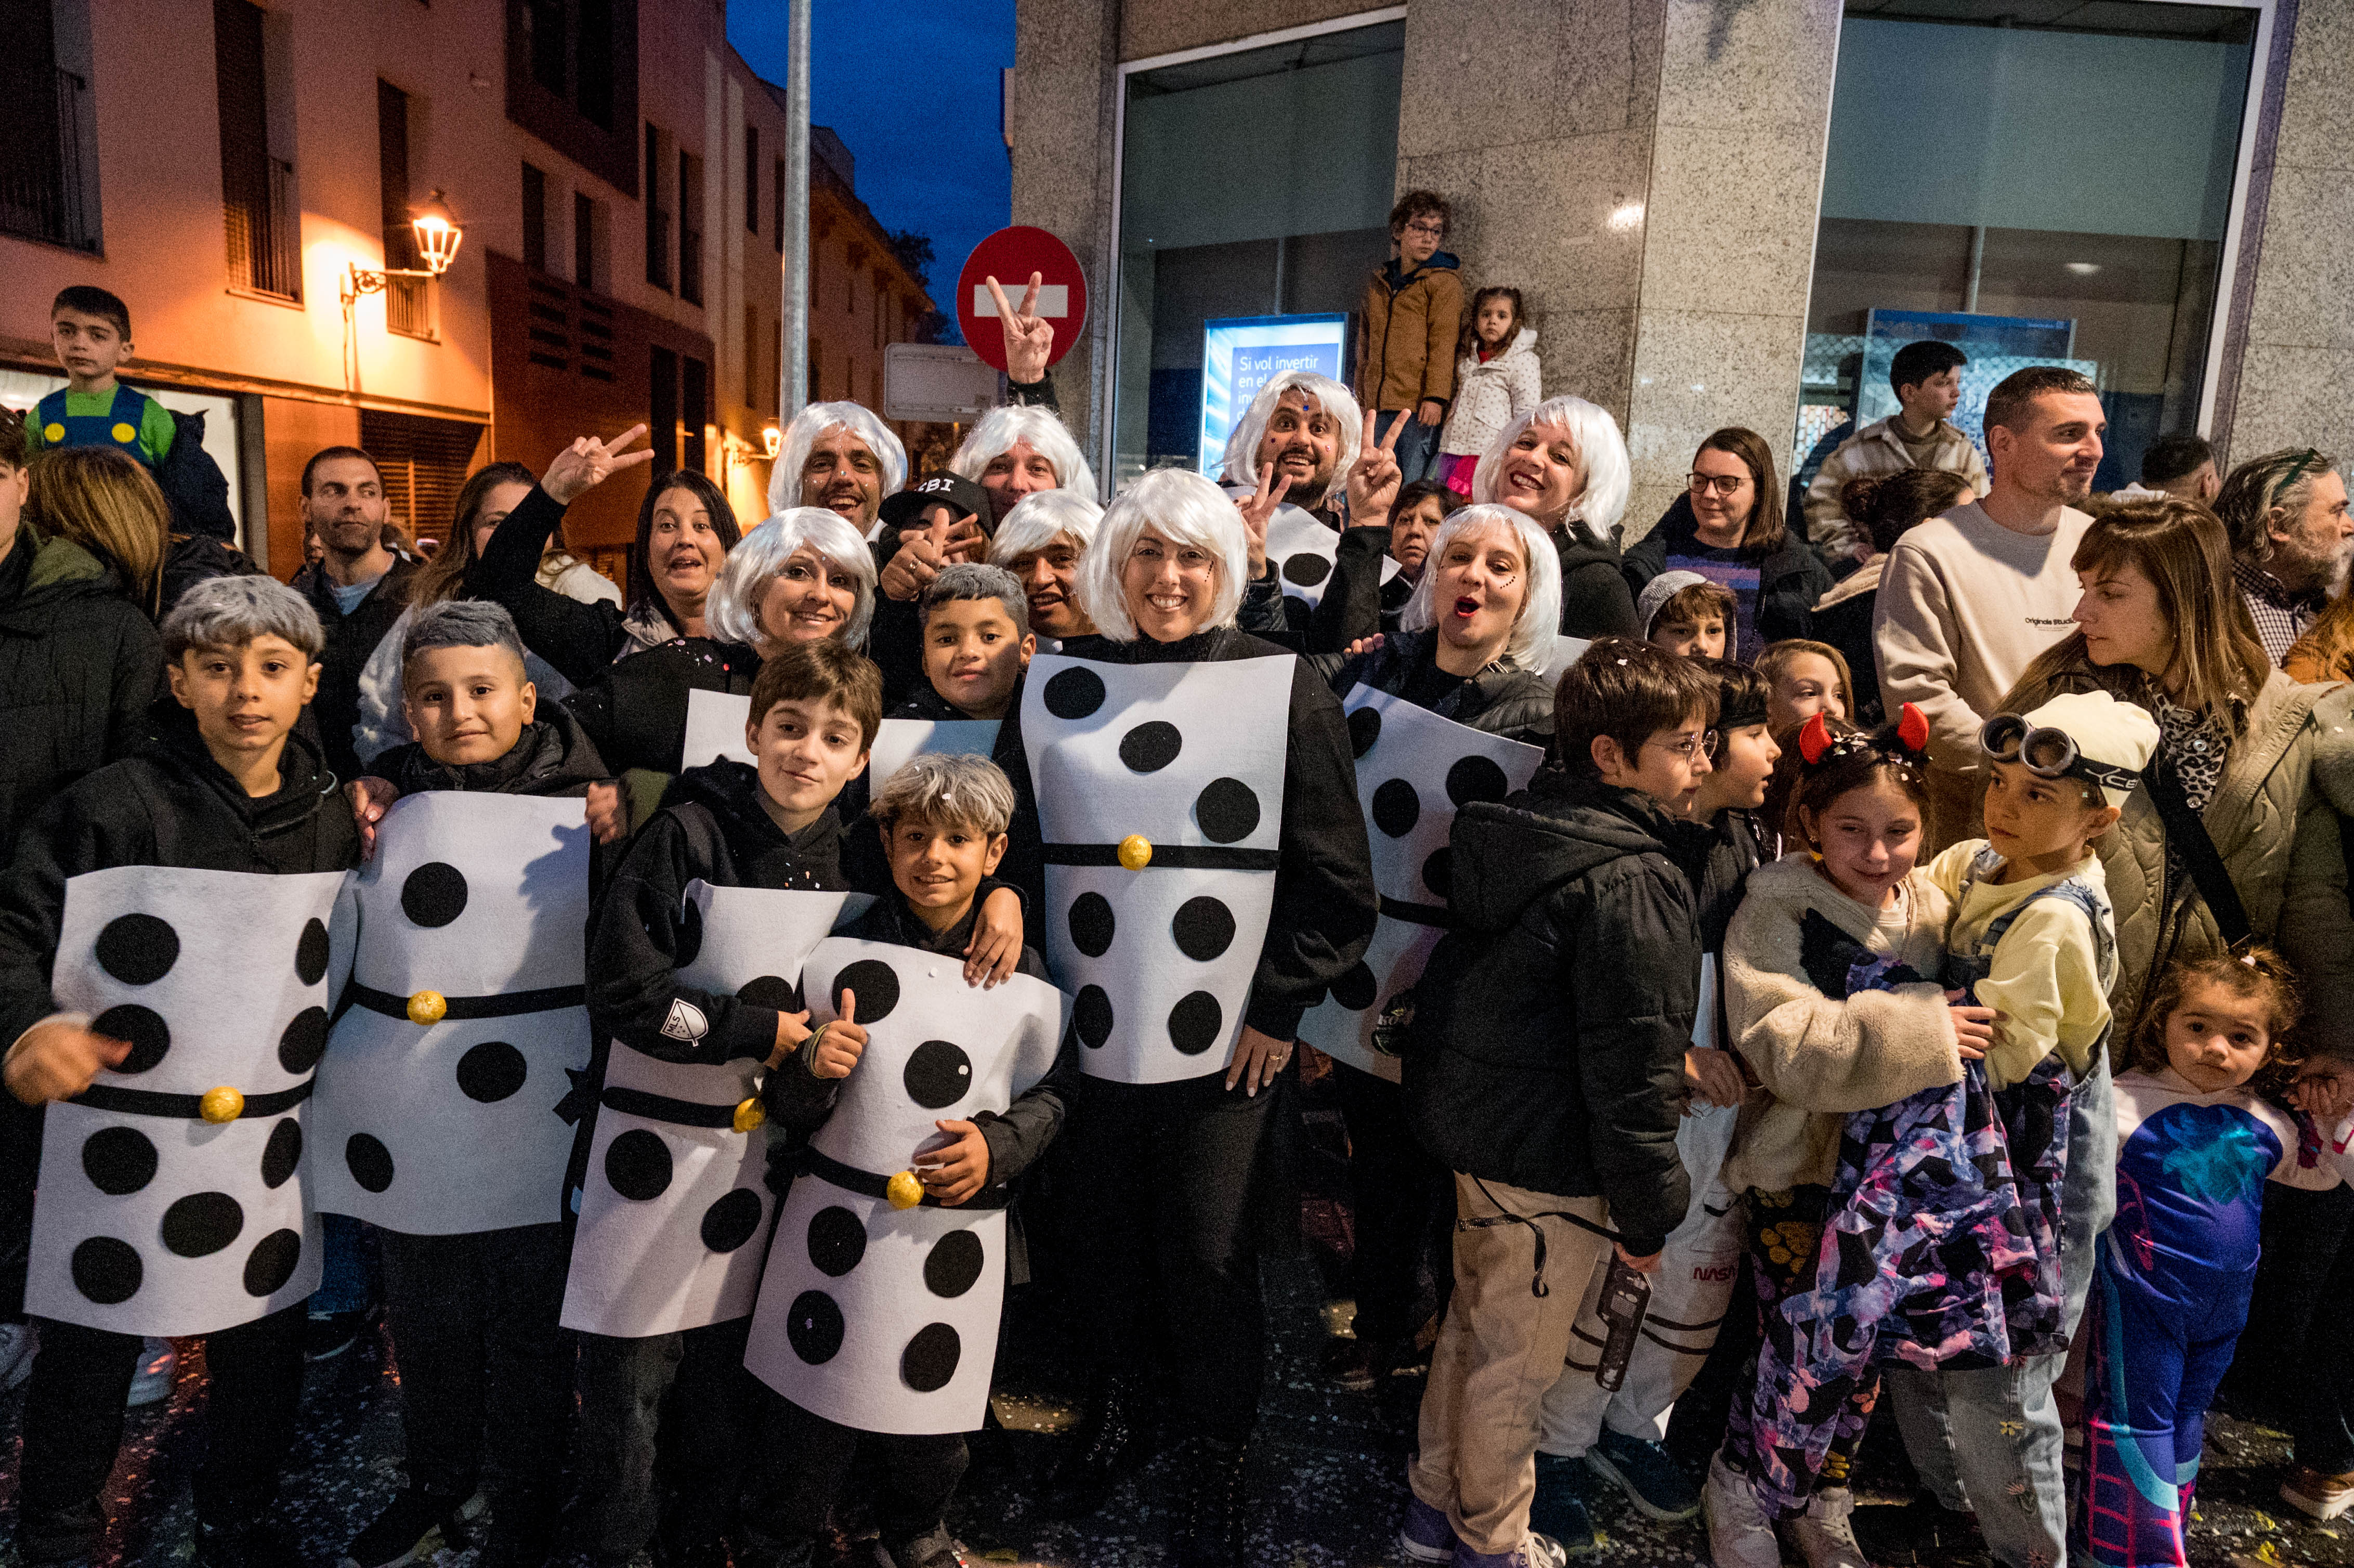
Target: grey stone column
[{"x": 1728, "y": 251}]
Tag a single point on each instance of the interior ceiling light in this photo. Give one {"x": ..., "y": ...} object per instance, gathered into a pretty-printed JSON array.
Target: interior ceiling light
[{"x": 2083, "y": 268}]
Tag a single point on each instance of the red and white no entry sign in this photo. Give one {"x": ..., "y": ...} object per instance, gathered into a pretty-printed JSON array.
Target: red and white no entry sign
[{"x": 1010, "y": 256}]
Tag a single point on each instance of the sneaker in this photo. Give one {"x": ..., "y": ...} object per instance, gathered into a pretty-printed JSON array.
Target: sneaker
[
  {"x": 1652, "y": 1481},
  {"x": 331, "y": 1334},
  {"x": 1739, "y": 1534},
  {"x": 2310, "y": 1491},
  {"x": 1426, "y": 1536},
  {"x": 1357, "y": 1365},
  {"x": 935, "y": 1548},
  {"x": 1537, "y": 1552},
  {"x": 246, "y": 1544},
  {"x": 414, "y": 1525},
  {"x": 152, "y": 1383},
  {"x": 1558, "y": 1509},
  {"x": 1822, "y": 1534}
]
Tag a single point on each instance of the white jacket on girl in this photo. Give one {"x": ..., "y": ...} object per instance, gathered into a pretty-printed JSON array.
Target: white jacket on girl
[{"x": 1490, "y": 397}]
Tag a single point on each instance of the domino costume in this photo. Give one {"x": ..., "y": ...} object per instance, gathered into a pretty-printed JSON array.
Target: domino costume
[{"x": 2170, "y": 1288}]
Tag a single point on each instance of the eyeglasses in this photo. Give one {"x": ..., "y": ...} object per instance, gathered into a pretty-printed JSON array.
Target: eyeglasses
[
  {"x": 2047, "y": 753},
  {"x": 2296, "y": 467},
  {"x": 1435, "y": 230},
  {"x": 1704, "y": 743},
  {"x": 1725, "y": 484}
]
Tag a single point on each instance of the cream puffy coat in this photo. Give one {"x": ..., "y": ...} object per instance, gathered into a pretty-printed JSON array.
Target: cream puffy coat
[{"x": 1490, "y": 397}]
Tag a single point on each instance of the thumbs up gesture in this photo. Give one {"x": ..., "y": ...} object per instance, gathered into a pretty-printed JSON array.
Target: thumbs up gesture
[{"x": 840, "y": 1042}]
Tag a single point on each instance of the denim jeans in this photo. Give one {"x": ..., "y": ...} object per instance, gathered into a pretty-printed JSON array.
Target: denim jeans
[
  {"x": 1417, "y": 446},
  {"x": 1990, "y": 1437},
  {"x": 347, "y": 1279}
]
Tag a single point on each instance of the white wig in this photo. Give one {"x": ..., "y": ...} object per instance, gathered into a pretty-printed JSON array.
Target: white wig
[
  {"x": 1601, "y": 459},
  {"x": 1041, "y": 517},
  {"x": 809, "y": 426},
  {"x": 999, "y": 429},
  {"x": 1532, "y": 642},
  {"x": 1331, "y": 398},
  {"x": 733, "y": 611},
  {"x": 1182, "y": 507}
]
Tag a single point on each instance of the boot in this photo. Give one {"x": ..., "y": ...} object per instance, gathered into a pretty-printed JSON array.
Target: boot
[
  {"x": 1109, "y": 1446},
  {"x": 1215, "y": 1507}
]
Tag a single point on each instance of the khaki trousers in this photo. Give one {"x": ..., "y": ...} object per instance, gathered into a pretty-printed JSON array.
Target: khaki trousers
[{"x": 1501, "y": 1348}]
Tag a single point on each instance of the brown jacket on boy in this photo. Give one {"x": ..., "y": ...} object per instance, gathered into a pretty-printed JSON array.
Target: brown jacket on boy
[{"x": 1405, "y": 349}]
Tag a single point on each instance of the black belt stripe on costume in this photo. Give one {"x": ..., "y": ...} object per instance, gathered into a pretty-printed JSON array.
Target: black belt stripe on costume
[
  {"x": 184, "y": 1107},
  {"x": 505, "y": 1005},
  {"x": 1420, "y": 914},
  {"x": 1169, "y": 857},
  {"x": 662, "y": 1107},
  {"x": 866, "y": 1185}
]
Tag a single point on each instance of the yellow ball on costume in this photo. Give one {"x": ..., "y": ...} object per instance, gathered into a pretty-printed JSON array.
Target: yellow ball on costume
[
  {"x": 53, "y": 432},
  {"x": 748, "y": 1115},
  {"x": 221, "y": 1105},
  {"x": 1136, "y": 852},
  {"x": 125, "y": 433},
  {"x": 428, "y": 1008},
  {"x": 903, "y": 1191}
]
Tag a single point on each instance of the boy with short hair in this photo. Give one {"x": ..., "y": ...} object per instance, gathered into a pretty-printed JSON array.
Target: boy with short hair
[
  {"x": 2034, "y": 938},
  {"x": 1686, "y": 614},
  {"x": 89, "y": 331},
  {"x": 977, "y": 643},
  {"x": 1577, "y": 920},
  {"x": 943, "y": 820},
  {"x": 1589, "y": 1430},
  {"x": 815, "y": 710},
  {"x": 1413, "y": 313},
  {"x": 484, "y": 1373},
  {"x": 229, "y": 785},
  {"x": 1927, "y": 377}
]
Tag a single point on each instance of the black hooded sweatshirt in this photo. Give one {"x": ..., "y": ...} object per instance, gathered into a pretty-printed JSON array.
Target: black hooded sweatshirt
[
  {"x": 1550, "y": 1028},
  {"x": 553, "y": 758}
]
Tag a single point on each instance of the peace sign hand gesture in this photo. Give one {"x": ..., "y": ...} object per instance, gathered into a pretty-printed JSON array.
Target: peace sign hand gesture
[
  {"x": 1374, "y": 477},
  {"x": 1028, "y": 338},
  {"x": 1257, "y": 508},
  {"x": 588, "y": 463}
]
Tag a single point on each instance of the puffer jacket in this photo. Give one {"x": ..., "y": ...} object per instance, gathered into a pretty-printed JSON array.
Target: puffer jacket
[
  {"x": 1501, "y": 699},
  {"x": 1550, "y": 1026},
  {"x": 1405, "y": 346},
  {"x": 1489, "y": 396},
  {"x": 2273, "y": 822},
  {"x": 1595, "y": 599}
]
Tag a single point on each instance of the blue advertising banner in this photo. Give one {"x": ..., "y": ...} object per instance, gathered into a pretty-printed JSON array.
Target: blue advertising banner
[{"x": 1240, "y": 355}]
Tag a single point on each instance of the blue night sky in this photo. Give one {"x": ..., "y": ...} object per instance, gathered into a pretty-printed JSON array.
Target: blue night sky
[{"x": 912, "y": 89}]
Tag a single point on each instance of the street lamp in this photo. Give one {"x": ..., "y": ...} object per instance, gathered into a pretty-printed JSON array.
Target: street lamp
[{"x": 437, "y": 235}]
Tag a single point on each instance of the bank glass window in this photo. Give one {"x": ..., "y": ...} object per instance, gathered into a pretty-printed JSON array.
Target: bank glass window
[
  {"x": 2039, "y": 182},
  {"x": 1256, "y": 183}
]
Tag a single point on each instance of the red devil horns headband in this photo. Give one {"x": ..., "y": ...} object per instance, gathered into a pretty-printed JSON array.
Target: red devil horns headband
[{"x": 1902, "y": 741}]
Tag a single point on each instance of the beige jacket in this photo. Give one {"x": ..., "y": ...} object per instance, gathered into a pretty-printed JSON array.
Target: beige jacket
[
  {"x": 2273, "y": 824},
  {"x": 1877, "y": 448},
  {"x": 1820, "y": 1059}
]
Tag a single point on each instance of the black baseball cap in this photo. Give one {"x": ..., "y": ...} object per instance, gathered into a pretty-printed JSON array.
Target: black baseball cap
[{"x": 903, "y": 510}]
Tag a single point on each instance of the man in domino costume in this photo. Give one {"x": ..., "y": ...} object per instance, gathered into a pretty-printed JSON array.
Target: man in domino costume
[
  {"x": 165, "y": 983},
  {"x": 1206, "y": 880}
]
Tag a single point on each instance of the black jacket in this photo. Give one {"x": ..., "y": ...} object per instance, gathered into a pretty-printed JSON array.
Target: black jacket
[
  {"x": 1550, "y": 1028},
  {"x": 553, "y": 758},
  {"x": 798, "y": 1101},
  {"x": 714, "y": 827},
  {"x": 1499, "y": 699},
  {"x": 578, "y": 640},
  {"x": 79, "y": 666},
  {"x": 169, "y": 804},
  {"x": 192, "y": 558},
  {"x": 1324, "y": 899},
  {"x": 635, "y": 712},
  {"x": 1595, "y": 599},
  {"x": 1790, "y": 580},
  {"x": 192, "y": 482},
  {"x": 351, "y": 640}
]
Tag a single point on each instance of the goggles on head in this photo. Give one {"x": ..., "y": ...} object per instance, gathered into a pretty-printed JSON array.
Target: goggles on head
[{"x": 2047, "y": 753}]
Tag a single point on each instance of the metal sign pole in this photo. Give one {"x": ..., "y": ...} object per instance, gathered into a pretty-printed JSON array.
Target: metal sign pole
[{"x": 794, "y": 389}]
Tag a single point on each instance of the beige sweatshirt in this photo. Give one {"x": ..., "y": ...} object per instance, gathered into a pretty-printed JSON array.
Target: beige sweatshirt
[
  {"x": 2046, "y": 979},
  {"x": 1965, "y": 607},
  {"x": 1820, "y": 1059}
]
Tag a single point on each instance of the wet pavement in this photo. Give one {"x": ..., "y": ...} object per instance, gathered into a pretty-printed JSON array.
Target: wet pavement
[{"x": 1327, "y": 1467}]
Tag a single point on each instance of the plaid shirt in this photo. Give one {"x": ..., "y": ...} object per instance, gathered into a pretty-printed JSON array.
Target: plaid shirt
[{"x": 2281, "y": 617}]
